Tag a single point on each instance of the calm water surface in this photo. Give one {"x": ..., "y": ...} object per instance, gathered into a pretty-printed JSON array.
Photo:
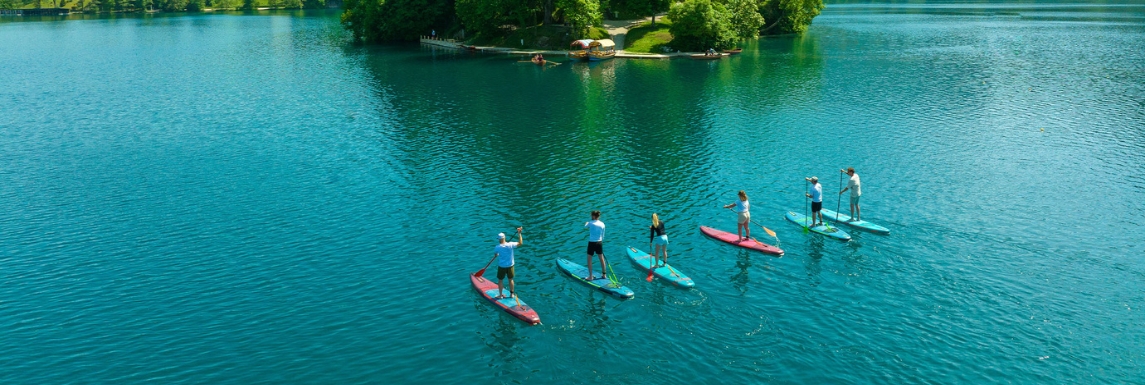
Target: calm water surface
[{"x": 251, "y": 199}]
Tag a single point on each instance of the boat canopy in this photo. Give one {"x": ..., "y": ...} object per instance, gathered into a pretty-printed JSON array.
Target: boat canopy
[
  {"x": 584, "y": 44},
  {"x": 603, "y": 43}
]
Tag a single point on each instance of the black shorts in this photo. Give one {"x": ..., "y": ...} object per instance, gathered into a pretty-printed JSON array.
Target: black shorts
[
  {"x": 503, "y": 272},
  {"x": 816, "y": 206},
  {"x": 596, "y": 248}
]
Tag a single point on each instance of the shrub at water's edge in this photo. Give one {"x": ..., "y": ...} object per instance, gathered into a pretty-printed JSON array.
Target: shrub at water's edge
[
  {"x": 788, "y": 16},
  {"x": 700, "y": 24}
]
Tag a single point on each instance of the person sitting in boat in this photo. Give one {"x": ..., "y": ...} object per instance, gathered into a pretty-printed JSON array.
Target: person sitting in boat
[{"x": 711, "y": 52}]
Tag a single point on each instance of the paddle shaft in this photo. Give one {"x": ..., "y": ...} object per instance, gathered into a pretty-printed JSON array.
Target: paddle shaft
[
  {"x": 839, "y": 202},
  {"x": 482, "y": 271}
]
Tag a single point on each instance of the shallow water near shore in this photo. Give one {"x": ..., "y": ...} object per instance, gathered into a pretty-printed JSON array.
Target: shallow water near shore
[{"x": 237, "y": 199}]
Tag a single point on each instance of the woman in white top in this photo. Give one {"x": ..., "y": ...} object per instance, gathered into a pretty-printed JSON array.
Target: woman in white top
[{"x": 741, "y": 209}]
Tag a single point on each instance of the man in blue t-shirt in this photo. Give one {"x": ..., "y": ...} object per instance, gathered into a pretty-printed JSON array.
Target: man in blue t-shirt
[
  {"x": 504, "y": 254},
  {"x": 816, "y": 196}
]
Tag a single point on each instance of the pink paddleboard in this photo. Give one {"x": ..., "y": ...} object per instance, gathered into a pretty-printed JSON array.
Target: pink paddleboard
[{"x": 733, "y": 239}]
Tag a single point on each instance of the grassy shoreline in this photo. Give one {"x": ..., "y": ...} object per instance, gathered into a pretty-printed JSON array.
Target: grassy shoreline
[{"x": 646, "y": 38}]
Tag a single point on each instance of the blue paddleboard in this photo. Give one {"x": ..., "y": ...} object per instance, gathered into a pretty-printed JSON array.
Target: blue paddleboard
[
  {"x": 827, "y": 230},
  {"x": 861, "y": 225},
  {"x": 665, "y": 272},
  {"x": 578, "y": 273}
]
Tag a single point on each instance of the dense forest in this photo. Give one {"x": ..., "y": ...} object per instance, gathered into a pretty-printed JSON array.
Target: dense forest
[
  {"x": 158, "y": 5},
  {"x": 697, "y": 24}
]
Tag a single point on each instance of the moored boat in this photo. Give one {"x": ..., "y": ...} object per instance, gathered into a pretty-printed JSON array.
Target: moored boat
[{"x": 702, "y": 56}]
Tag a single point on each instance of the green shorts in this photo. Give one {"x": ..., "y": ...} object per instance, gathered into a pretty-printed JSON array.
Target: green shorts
[
  {"x": 503, "y": 272},
  {"x": 854, "y": 201}
]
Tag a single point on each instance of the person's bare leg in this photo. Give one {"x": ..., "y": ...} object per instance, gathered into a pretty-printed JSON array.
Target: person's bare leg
[
  {"x": 603, "y": 267},
  {"x": 589, "y": 267}
]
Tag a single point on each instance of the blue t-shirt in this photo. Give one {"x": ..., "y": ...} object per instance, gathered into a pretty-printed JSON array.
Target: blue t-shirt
[
  {"x": 817, "y": 193},
  {"x": 504, "y": 253},
  {"x": 742, "y": 206}
]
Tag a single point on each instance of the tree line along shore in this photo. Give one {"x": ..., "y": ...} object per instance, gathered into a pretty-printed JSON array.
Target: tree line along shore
[
  {"x": 129, "y": 6},
  {"x": 695, "y": 25}
]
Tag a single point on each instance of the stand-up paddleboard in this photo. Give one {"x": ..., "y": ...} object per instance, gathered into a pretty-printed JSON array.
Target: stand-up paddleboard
[
  {"x": 733, "y": 239},
  {"x": 665, "y": 272},
  {"x": 488, "y": 289},
  {"x": 861, "y": 225},
  {"x": 829, "y": 231},
  {"x": 578, "y": 273}
]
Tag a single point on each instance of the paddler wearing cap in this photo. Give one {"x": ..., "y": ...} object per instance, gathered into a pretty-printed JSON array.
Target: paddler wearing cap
[
  {"x": 816, "y": 195},
  {"x": 504, "y": 254}
]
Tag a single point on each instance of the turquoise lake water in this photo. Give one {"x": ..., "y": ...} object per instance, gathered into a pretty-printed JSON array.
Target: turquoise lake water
[{"x": 235, "y": 199}]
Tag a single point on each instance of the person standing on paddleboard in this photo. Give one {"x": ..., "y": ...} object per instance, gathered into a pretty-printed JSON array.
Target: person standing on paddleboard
[
  {"x": 856, "y": 192},
  {"x": 743, "y": 216},
  {"x": 658, "y": 238},
  {"x": 595, "y": 243},
  {"x": 816, "y": 196},
  {"x": 504, "y": 254}
]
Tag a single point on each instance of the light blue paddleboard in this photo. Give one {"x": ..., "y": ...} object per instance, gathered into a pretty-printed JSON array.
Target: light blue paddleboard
[
  {"x": 827, "y": 230},
  {"x": 666, "y": 272},
  {"x": 578, "y": 273},
  {"x": 861, "y": 225}
]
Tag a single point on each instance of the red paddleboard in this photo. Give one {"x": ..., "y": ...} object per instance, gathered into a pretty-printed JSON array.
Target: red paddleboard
[
  {"x": 733, "y": 239},
  {"x": 519, "y": 309}
]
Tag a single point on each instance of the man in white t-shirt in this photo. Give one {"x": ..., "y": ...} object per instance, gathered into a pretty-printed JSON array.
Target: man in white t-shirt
[
  {"x": 504, "y": 254},
  {"x": 816, "y": 195},
  {"x": 595, "y": 243},
  {"x": 856, "y": 192}
]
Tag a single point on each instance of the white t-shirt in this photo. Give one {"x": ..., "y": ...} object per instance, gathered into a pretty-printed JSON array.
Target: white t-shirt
[
  {"x": 817, "y": 193},
  {"x": 742, "y": 206},
  {"x": 595, "y": 230},
  {"x": 853, "y": 185},
  {"x": 504, "y": 253}
]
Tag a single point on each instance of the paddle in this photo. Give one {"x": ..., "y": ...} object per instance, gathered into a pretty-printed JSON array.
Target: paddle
[
  {"x": 839, "y": 202},
  {"x": 651, "y": 261},
  {"x": 611, "y": 278},
  {"x": 482, "y": 271},
  {"x": 806, "y": 195}
]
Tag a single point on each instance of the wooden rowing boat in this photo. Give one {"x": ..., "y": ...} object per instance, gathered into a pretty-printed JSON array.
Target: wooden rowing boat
[{"x": 700, "y": 56}]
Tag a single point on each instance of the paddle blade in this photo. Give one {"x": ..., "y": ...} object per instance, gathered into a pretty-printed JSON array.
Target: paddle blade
[
  {"x": 769, "y": 232},
  {"x": 649, "y": 279},
  {"x": 480, "y": 272}
]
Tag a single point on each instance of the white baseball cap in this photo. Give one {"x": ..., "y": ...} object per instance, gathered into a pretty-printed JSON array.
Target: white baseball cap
[{"x": 500, "y": 235}]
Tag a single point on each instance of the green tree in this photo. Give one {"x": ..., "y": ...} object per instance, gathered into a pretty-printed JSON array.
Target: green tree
[
  {"x": 393, "y": 20},
  {"x": 249, "y": 5},
  {"x": 789, "y": 16},
  {"x": 700, "y": 24},
  {"x": 224, "y": 4},
  {"x": 745, "y": 18},
  {"x": 172, "y": 5},
  {"x": 580, "y": 15},
  {"x": 10, "y": 4},
  {"x": 313, "y": 4},
  {"x": 291, "y": 4},
  {"x": 194, "y": 5}
]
